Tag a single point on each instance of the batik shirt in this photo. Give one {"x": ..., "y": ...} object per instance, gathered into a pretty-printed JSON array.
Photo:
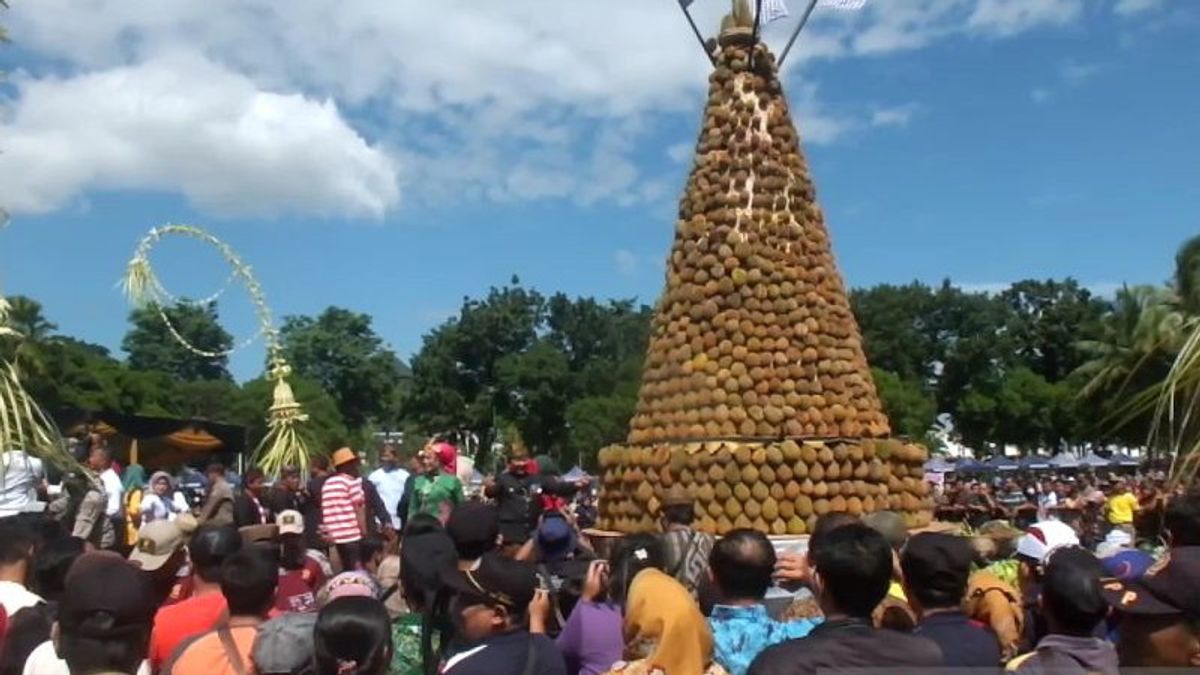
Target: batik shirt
[
  {"x": 740, "y": 633},
  {"x": 687, "y": 556}
]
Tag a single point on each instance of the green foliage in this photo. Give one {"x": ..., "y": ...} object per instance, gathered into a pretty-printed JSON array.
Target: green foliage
[
  {"x": 911, "y": 409},
  {"x": 151, "y": 346},
  {"x": 340, "y": 351}
]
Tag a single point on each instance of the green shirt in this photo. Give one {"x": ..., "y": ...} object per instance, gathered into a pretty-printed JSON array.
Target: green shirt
[{"x": 436, "y": 496}]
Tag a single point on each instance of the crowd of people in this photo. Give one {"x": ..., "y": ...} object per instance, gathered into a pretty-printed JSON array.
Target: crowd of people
[{"x": 400, "y": 570}]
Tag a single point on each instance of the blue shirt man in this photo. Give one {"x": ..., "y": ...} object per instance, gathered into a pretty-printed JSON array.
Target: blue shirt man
[
  {"x": 741, "y": 633},
  {"x": 740, "y": 567}
]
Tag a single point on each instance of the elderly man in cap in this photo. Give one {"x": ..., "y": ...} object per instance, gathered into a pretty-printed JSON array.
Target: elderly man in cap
[
  {"x": 686, "y": 550},
  {"x": 489, "y": 608},
  {"x": 1160, "y": 613},
  {"x": 343, "y": 509}
]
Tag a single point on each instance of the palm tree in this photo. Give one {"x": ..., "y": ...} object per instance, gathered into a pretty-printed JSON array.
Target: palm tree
[{"x": 27, "y": 331}]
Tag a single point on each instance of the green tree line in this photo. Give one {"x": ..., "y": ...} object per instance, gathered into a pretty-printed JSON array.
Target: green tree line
[{"x": 1042, "y": 364}]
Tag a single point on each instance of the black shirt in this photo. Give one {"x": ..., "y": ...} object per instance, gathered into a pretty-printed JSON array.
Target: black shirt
[
  {"x": 507, "y": 654},
  {"x": 964, "y": 643},
  {"x": 847, "y": 643}
]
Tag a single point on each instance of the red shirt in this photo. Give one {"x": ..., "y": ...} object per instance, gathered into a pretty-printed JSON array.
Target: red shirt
[
  {"x": 175, "y": 623},
  {"x": 297, "y": 588}
]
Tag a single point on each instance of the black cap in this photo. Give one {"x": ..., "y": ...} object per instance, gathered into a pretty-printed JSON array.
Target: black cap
[
  {"x": 497, "y": 580},
  {"x": 105, "y": 597},
  {"x": 1170, "y": 586},
  {"x": 474, "y": 526},
  {"x": 937, "y": 562}
]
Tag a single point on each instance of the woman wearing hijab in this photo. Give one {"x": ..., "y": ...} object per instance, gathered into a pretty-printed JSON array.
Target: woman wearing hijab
[
  {"x": 437, "y": 491},
  {"x": 665, "y": 633},
  {"x": 159, "y": 502}
]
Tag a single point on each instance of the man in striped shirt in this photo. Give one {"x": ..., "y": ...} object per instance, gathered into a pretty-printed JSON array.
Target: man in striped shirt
[{"x": 343, "y": 513}]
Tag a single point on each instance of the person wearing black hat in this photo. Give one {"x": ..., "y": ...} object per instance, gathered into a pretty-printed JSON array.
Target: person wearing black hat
[
  {"x": 105, "y": 617},
  {"x": 687, "y": 549},
  {"x": 428, "y": 554},
  {"x": 475, "y": 529},
  {"x": 208, "y": 548},
  {"x": 936, "y": 568},
  {"x": 515, "y": 493},
  {"x": 1073, "y": 602},
  {"x": 852, "y": 569},
  {"x": 489, "y": 608},
  {"x": 1160, "y": 613}
]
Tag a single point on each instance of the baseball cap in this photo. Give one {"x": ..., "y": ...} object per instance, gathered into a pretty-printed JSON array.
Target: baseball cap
[
  {"x": 343, "y": 456},
  {"x": 1170, "y": 586},
  {"x": 938, "y": 562},
  {"x": 890, "y": 524},
  {"x": 290, "y": 522},
  {"x": 1042, "y": 538},
  {"x": 475, "y": 529},
  {"x": 105, "y": 597},
  {"x": 159, "y": 540},
  {"x": 275, "y": 649},
  {"x": 555, "y": 538},
  {"x": 1127, "y": 564},
  {"x": 498, "y": 580}
]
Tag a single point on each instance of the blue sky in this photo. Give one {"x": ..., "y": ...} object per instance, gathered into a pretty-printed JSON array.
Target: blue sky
[{"x": 395, "y": 159}]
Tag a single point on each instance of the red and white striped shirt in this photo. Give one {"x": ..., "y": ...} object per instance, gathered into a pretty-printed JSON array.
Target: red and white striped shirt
[{"x": 341, "y": 496}]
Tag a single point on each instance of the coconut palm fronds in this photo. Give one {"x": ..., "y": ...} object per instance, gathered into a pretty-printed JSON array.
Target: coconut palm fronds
[
  {"x": 285, "y": 443},
  {"x": 25, "y": 427}
]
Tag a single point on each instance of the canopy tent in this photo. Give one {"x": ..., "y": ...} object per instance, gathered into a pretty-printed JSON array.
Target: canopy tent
[
  {"x": 575, "y": 474},
  {"x": 156, "y": 442},
  {"x": 1119, "y": 459},
  {"x": 1093, "y": 460},
  {"x": 1064, "y": 460},
  {"x": 938, "y": 465},
  {"x": 1034, "y": 463},
  {"x": 1000, "y": 463},
  {"x": 968, "y": 465}
]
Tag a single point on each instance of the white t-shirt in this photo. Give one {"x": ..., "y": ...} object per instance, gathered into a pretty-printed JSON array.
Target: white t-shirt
[
  {"x": 18, "y": 486},
  {"x": 390, "y": 485},
  {"x": 43, "y": 660},
  {"x": 113, "y": 491},
  {"x": 14, "y": 597}
]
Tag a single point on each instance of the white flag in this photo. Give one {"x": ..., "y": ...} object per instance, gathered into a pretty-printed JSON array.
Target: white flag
[{"x": 774, "y": 10}]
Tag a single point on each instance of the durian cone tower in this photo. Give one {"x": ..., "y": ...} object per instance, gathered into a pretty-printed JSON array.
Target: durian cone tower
[{"x": 756, "y": 396}]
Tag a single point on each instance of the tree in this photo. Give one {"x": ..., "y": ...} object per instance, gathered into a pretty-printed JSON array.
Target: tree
[
  {"x": 28, "y": 332},
  {"x": 1046, "y": 322},
  {"x": 150, "y": 345},
  {"x": 911, "y": 410},
  {"x": 340, "y": 352},
  {"x": 896, "y": 329}
]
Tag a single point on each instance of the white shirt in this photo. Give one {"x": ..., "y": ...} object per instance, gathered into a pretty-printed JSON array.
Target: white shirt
[
  {"x": 14, "y": 597},
  {"x": 390, "y": 485},
  {"x": 157, "y": 508},
  {"x": 113, "y": 491},
  {"x": 18, "y": 485},
  {"x": 43, "y": 660}
]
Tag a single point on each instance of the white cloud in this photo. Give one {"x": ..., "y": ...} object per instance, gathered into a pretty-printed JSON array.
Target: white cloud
[
  {"x": 626, "y": 261},
  {"x": 184, "y": 124},
  {"x": 1041, "y": 95},
  {"x": 1010, "y": 17},
  {"x": 896, "y": 116},
  {"x": 1076, "y": 74},
  {"x": 498, "y": 100},
  {"x": 1130, "y": 7}
]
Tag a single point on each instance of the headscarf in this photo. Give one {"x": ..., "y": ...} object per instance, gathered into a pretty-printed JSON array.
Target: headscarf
[
  {"x": 356, "y": 584},
  {"x": 162, "y": 474},
  {"x": 447, "y": 456},
  {"x": 664, "y": 626},
  {"x": 134, "y": 477}
]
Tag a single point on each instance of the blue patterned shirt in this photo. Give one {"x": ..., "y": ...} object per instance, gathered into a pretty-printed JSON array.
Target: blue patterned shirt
[{"x": 740, "y": 633}]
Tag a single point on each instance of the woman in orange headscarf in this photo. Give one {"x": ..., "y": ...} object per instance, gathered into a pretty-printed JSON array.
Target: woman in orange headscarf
[{"x": 665, "y": 633}]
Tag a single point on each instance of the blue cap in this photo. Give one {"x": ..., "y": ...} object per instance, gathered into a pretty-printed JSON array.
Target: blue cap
[{"x": 556, "y": 538}]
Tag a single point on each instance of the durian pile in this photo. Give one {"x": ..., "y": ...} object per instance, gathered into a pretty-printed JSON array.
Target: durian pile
[
  {"x": 779, "y": 488},
  {"x": 756, "y": 393}
]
